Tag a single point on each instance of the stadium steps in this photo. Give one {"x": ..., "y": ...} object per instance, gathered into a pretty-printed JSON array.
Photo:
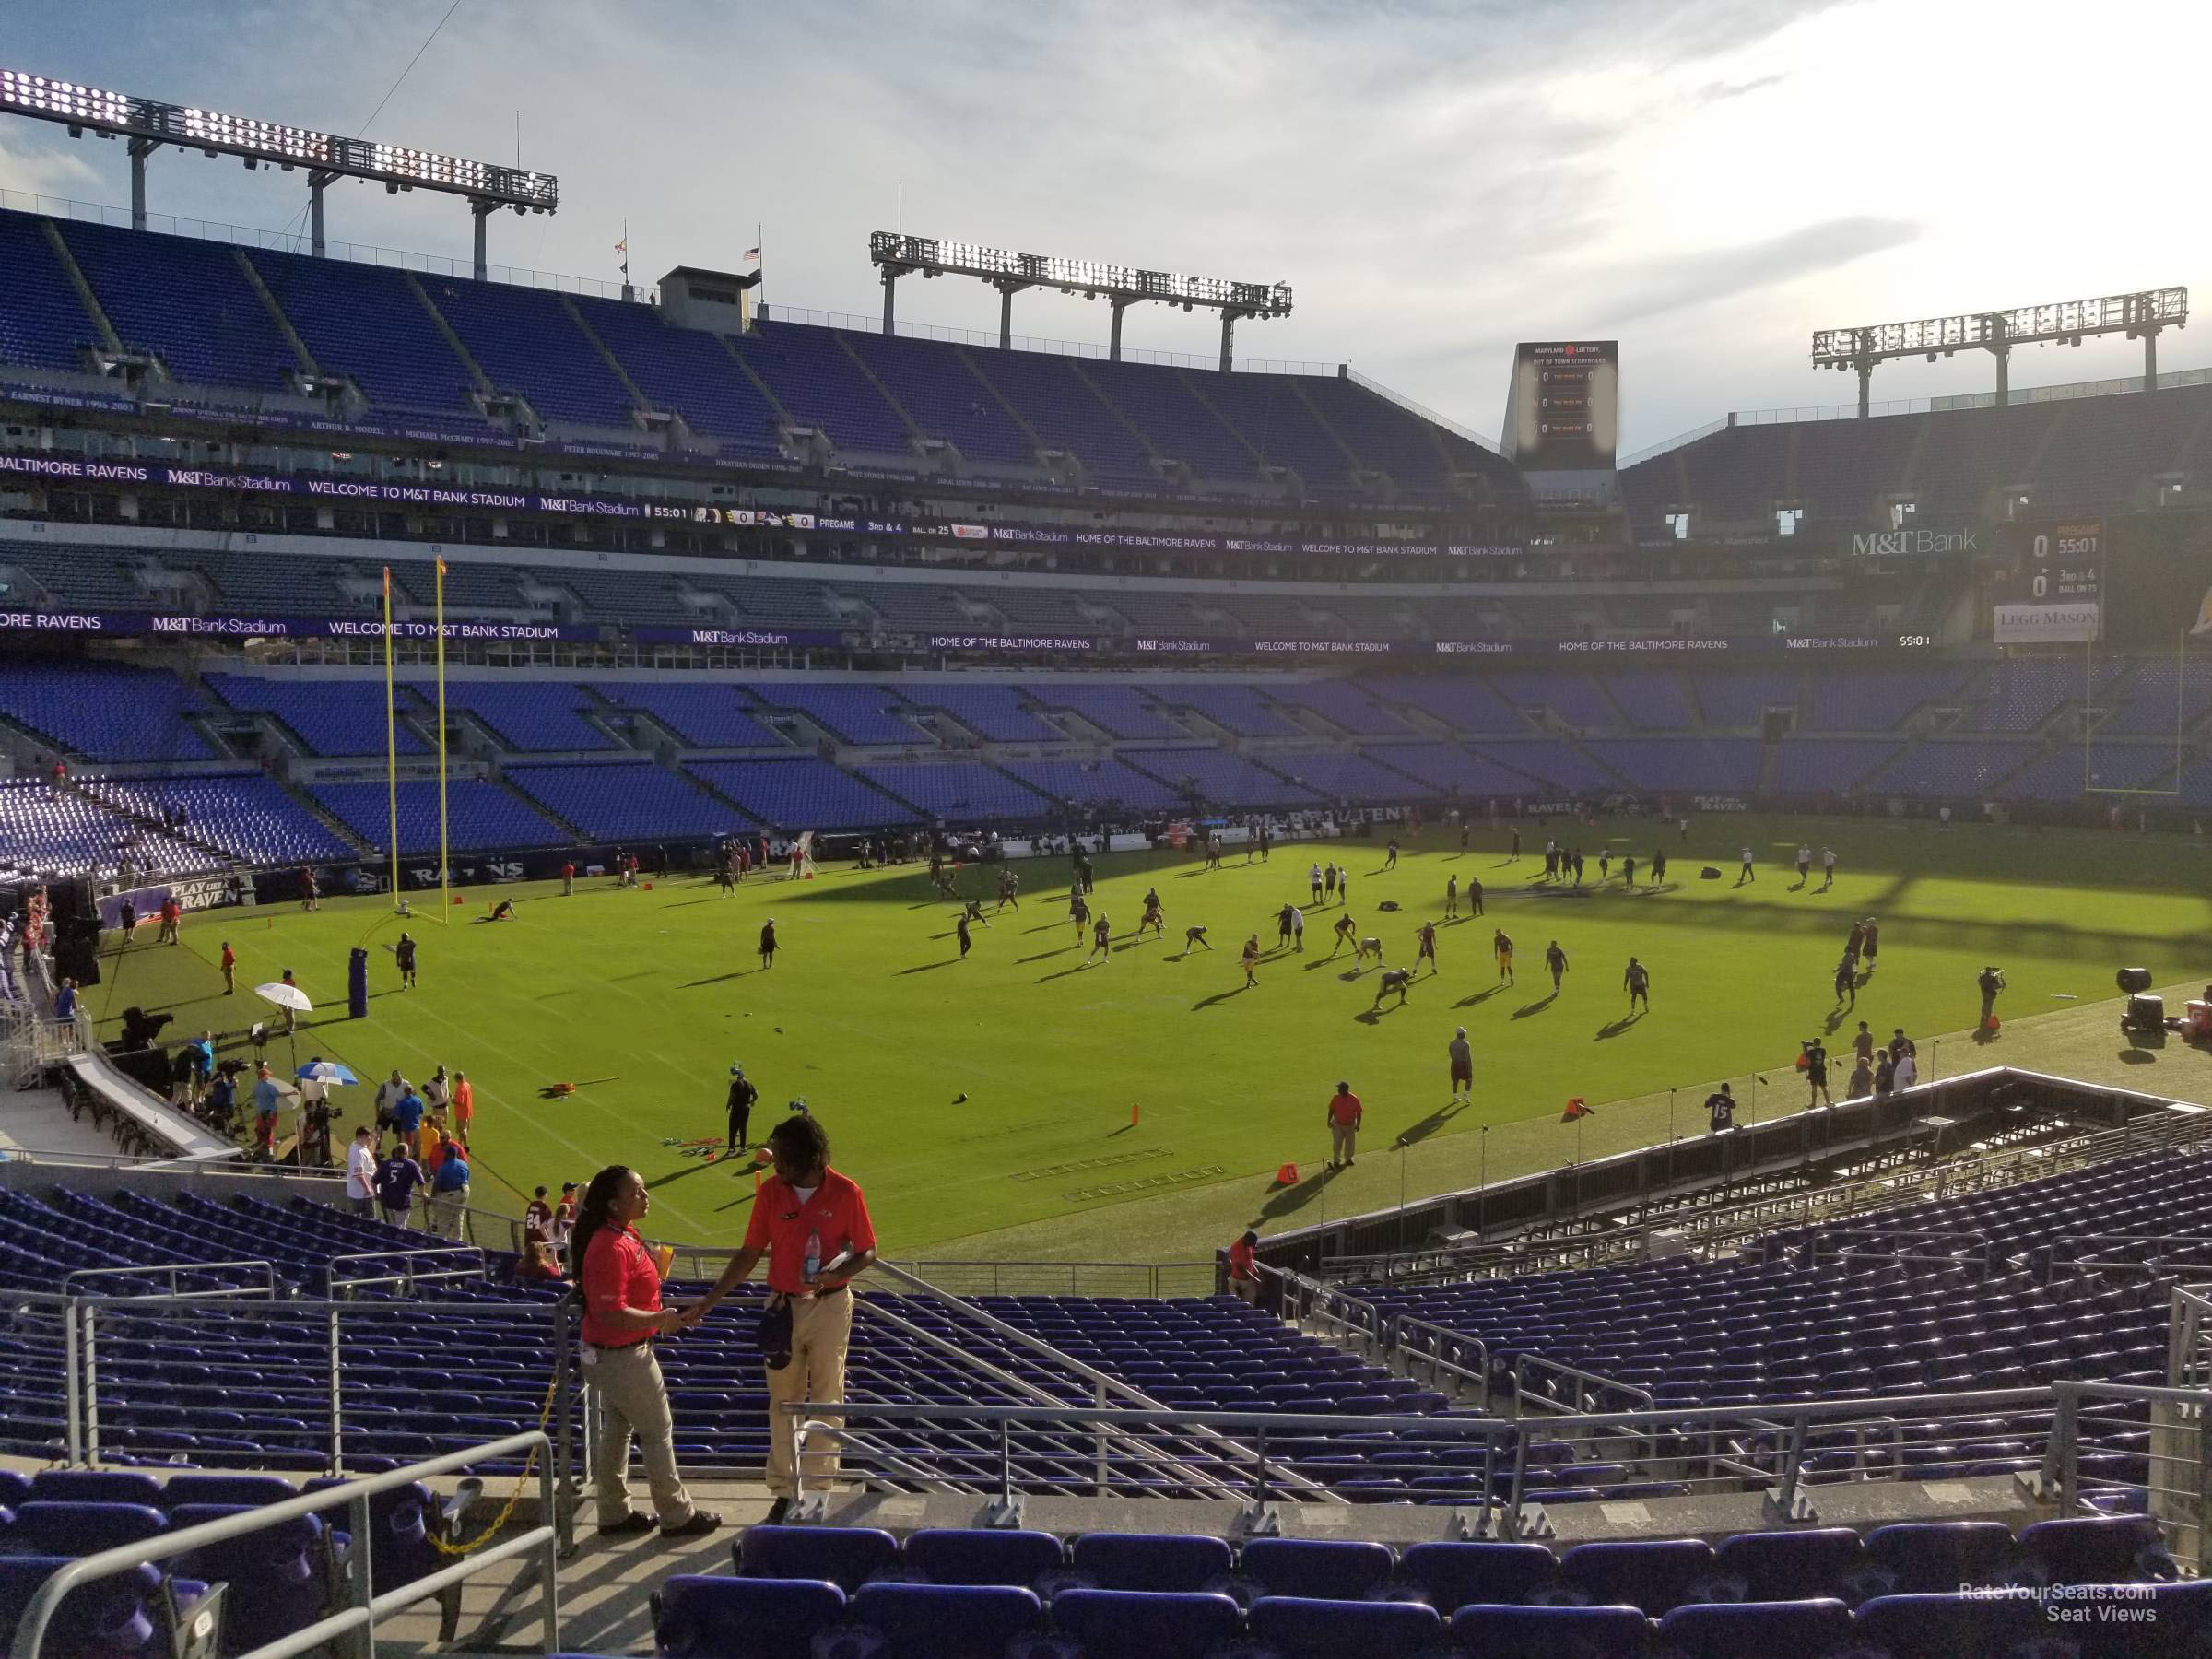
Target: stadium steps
[
  {"x": 767, "y": 392},
  {"x": 1358, "y": 461},
  {"x": 1258, "y": 458},
  {"x": 914, "y": 427},
  {"x": 2194, "y": 444},
  {"x": 2052, "y": 425},
  {"x": 300, "y": 354},
  {"x": 1902, "y": 484},
  {"x": 477, "y": 378},
  {"x": 85, "y": 296},
  {"x": 1000, "y": 398},
  {"x": 637, "y": 398},
  {"x": 1143, "y": 438},
  {"x": 305, "y": 800},
  {"x": 547, "y": 812},
  {"x": 1605, "y": 691}
]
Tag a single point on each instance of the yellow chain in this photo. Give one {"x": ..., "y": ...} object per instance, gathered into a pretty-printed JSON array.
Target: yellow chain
[{"x": 522, "y": 1484}]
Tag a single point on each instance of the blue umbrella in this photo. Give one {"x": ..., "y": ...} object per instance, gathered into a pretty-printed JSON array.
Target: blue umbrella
[{"x": 327, "y": 1071}]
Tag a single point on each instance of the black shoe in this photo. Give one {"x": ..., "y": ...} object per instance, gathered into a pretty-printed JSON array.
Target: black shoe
[
  {"x": 776, "y": 1512},
  {"x": 700, "y": 1524},
  {"x": 629, "y": 1526}
]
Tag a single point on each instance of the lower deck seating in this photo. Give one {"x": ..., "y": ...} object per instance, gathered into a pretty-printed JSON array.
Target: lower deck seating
[{"x": 1898, "y": 1592}]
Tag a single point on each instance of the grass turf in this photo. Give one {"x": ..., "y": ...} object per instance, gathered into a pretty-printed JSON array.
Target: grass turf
[{"x": 1139, "y": 1109}]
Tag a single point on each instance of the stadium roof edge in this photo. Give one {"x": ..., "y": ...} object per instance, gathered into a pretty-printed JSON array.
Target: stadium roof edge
[
  {"x": 2059, "y": 392},
  {"x": 65, "y": 207}
]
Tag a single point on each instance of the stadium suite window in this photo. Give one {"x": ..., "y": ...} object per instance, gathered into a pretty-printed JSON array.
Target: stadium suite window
[{"x": 717, "y": 296}]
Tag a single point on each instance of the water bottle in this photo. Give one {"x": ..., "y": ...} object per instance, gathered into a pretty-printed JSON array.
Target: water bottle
[{"x": 814, "y": 1255}]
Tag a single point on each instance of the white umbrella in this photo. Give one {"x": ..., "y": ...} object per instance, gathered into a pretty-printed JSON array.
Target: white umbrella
[{"x": 285, "y": 997}]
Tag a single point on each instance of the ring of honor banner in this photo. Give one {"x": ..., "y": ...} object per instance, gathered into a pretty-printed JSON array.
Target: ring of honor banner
[{"x": 2054, "y": 595}]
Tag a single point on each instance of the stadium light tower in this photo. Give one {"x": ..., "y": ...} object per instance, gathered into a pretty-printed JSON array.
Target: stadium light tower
[
  {"x": 2138, "y": 316},
  {"x": 898, "y": 256},
  {"x": 148, "y": 125}
]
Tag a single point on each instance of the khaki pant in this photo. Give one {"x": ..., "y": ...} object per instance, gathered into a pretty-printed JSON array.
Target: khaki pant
[
  {"x": 821, "y": 1329},
  {"x": 1341, "y": 1138},
  {"x": 633, "y": 1400}
]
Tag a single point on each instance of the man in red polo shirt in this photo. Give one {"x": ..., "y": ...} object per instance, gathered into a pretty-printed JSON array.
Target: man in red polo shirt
[
  {"x": 622, "y": 1317},
  {"x": 1344, "y": 1126},
  {"x": 813, "y": 1225},
  {"x": 1243, "y": 1270}
]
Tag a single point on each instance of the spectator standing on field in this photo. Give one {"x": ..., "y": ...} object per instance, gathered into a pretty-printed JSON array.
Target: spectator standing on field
[
  {"x": 360, "y": 1172},
  {"x": 622, "y": 1320},
  {"x": 812, "y": 1224},
  {"x": 743, "y": 1097},
  {"x": 1990, "y": 981},
  {"x": 230, "y": 966},
  {"x": 465, "y": 1106},
  {"x": 1345, "y": 1113}
]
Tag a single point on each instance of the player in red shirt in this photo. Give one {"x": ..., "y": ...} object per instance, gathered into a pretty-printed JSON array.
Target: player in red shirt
[
  {"x": 230, "y": 970},
  {"x": 812, "y": 1224},
  {"x": 622, "y": 1319}
]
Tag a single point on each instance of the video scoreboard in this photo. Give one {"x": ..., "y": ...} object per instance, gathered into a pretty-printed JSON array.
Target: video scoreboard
[{"x": 2052, "y": 591}]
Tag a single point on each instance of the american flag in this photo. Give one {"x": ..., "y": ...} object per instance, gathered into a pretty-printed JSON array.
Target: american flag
[{"x": 753, "y": 254}]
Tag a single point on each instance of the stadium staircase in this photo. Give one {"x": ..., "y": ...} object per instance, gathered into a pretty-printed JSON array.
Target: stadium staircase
[
  {"x": 1005, "y": 405},
  {"x": 481, "y": 380},
  {"x": 639, "y": 401},
  {"x": 93, "y": 310}
]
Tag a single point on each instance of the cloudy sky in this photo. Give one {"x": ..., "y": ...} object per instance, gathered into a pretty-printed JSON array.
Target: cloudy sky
[{"x": 1708, "y": 183}]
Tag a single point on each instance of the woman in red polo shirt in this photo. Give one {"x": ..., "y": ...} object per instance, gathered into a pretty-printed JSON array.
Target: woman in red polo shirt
[
  {"x": 813, "y": 1225},
  {"x": 622, "y": 1315}
]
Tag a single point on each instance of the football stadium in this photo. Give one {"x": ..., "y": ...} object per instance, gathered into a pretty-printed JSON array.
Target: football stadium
[{"x": 927, "y": 926}]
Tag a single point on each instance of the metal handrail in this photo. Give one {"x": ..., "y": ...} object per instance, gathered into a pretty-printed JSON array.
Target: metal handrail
[
  {"x": 1523, "y": 1392},
  {"x": 998, "y": 1375},
  {"x": 1423, "y": 1342},
  {"x": 1104, "y": 1383},
  {"x": 479, "y": 1268},
  {"x": 267, "y": 1287},
  {"x": 31, "y": 1632}
]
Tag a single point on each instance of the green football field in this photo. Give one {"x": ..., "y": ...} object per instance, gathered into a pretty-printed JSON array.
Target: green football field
[{"x": 1021, "y": 1104}]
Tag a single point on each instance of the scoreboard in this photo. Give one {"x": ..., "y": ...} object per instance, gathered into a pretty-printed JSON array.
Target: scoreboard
[
  {"x": 2053, "y": 592},
  {"x": 1562, "y": 409}
]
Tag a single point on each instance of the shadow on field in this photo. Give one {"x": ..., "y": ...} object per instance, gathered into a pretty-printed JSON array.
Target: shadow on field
[
  {"x": 1527, "y": 1009},
  {"x": 1482, "y": 996},
  {"x": 1616, "y": 1026},
  {"x": 925, "y": 967},
  {"x": 690, "y": 1166},
  {"x": 1415, "y": 1133},
  {"x": 1045, "y": 926},
  {"x": 1290, "y": 1200},
  {"x": 718, "y": 978},
  {"x": 1044, "y": 979},
  {"x": 1043, "y": 955},
  {"x": 1218, "y": 996}
]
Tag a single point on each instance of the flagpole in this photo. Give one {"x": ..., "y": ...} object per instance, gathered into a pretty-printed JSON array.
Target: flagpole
[
  {"x": 391, "y": 742},
  {"x": 445, "y": 897}
]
